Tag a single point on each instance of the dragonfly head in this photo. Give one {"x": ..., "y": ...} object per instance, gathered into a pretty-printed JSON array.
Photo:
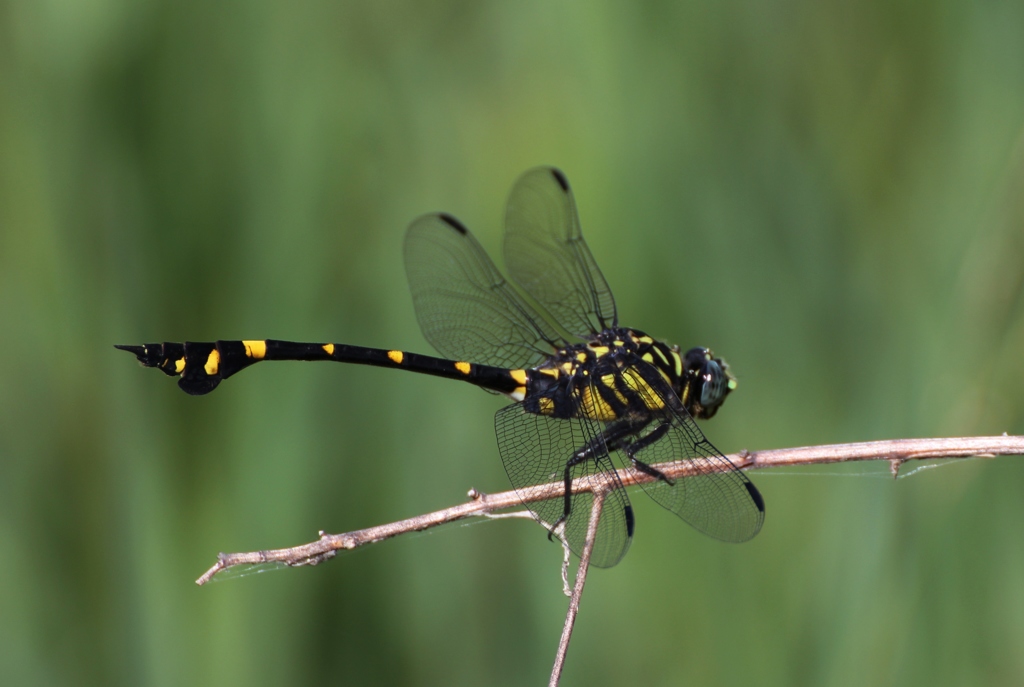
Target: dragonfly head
[{"x": 706, "y": 382}]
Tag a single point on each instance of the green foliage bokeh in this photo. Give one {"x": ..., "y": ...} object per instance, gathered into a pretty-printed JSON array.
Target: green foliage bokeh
[{"x": 828, "y": 194}]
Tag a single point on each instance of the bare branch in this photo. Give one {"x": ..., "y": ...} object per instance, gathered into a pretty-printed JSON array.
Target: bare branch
[{"x": 896, "y": 451}]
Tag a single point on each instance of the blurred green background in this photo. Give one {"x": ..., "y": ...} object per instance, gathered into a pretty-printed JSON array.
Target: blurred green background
[{"x": 829, "y": 194}]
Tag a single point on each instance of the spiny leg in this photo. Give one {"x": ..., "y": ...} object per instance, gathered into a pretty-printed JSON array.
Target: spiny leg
[
  {"x": 613, "y": 438},
  {"x": 585, "y": 453},
  {"x": 635, "y": 447}
]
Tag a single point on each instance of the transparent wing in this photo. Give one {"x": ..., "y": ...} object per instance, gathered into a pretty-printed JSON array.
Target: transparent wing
[
  {"x": 535, "y": 449},
  {"x": 546, "y": 255},
  {"x": 717, "y": 499},
  {"x": 465, "y": 307}
]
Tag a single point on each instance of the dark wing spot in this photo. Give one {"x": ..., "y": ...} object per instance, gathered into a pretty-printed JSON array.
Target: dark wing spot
[
  {"x": 453, "y": 223},
  {"x": 560, "y": 178},
  {"x": 630, "y": 521},
  {"x": 756, "y": 495}
]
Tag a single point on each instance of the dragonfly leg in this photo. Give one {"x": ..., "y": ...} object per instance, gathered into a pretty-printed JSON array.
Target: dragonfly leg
[
  {"x": 585, "y": 453},
  {"x": 633, "y": 448},
  {"x": 613, "y": 438}
]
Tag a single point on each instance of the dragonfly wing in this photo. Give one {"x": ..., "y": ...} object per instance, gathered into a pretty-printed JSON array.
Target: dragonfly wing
[
  {"x": 547, "y": 257},
  {"x": 465, "y": 307}
]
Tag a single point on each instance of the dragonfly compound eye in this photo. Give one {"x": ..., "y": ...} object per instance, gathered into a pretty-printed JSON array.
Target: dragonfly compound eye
[
  {"x": 714, "y": 385},
  {"x": 710, "y": 379}
]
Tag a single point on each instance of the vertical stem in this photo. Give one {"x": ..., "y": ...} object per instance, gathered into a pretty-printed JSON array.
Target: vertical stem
[{"x": 577, "y": 592}]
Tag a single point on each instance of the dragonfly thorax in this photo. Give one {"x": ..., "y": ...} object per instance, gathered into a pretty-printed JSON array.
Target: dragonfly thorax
[{"x": 604, "y": 378}]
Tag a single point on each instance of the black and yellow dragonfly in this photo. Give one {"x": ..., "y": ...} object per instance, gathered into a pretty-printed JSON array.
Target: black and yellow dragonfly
[{"x": 589, "y": 394}]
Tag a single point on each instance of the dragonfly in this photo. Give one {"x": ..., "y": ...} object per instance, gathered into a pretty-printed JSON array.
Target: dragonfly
[{"x": 589, "y": 396}]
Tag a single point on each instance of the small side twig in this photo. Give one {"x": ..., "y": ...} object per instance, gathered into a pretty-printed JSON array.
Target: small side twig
[{"x": 577, "y": 591}]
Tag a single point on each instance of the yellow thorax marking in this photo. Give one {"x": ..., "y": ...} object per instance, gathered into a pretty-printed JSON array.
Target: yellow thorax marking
[
  {"x": 595, "y": 407},
  {"x": 599, "y": 350},
  {"x": 637, "y": 383},
  {"x": 647, "y": 358},
  {"x": 255, "y": 349},
  {"x": 397, "y": 357},
  {"x": 645, "y": 339},
  {"x": 179, "y": 365},
  {"x": 212, "y": 363},
  {"x": 678, "y": 360},
  {"x": 567, "y": 368},
  {"x": 464, "y": 368},
  {"x": 661, "y": 355},
  {"x": 581, "y": 356},
  {"x": 609, "y": 381},
  {"x": 329, "y": 349},
  {"x": 547, "y": 405}
]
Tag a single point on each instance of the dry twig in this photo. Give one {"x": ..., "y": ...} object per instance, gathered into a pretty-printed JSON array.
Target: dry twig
[{"x": 897, "y": 452}]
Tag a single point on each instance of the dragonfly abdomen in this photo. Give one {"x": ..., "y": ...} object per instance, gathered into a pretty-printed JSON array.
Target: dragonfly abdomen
[{"x": 202, "y": 365}]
